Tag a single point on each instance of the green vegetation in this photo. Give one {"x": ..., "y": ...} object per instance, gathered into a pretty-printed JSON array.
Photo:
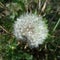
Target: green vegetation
[{"x": 9, "y": 47}]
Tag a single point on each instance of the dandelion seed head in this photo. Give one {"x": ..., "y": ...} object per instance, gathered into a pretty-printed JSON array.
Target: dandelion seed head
[{"x": 32, "y": 27}]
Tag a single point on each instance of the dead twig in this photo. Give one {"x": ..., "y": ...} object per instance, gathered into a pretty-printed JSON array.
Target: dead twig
[
  {"x": 44, "y": 6},
  {"x": 26, "y": 46},
  {"x": 39, "y": 1},
  {"x": 4, "y": 29}
]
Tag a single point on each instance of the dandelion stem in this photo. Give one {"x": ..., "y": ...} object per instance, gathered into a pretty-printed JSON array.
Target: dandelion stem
[{"x": 56, "y": 25}]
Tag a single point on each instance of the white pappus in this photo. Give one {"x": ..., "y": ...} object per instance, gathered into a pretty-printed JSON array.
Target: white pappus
[{"x": 31, "y": 28}]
